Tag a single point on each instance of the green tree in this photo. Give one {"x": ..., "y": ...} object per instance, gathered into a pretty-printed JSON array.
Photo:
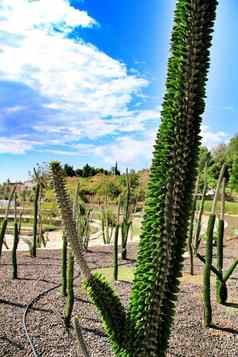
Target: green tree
[{"x": 233, "y": 181}]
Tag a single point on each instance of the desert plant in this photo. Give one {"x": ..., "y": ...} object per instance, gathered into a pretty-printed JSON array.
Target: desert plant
[
  {"x": 14, "y": 251},
  {"x": 16, "y": 233},
  {"x": 208, "y": 255},
  {"x": 127, "y": 221},
  {"x": 144, "y": 330},
  {"x": 64, "y": 265},
  {"x": 68, "y": 308},
  {"x": 82, "y": 216},
  {"x": 5, "y": 221},
  {"x": 221, "y": 279},
  {"x": 115, "y": 253},
  {"x": 191, "y": 228},
  {"x": 35, "y": 219},
  {"x": 40, "y": 178}
]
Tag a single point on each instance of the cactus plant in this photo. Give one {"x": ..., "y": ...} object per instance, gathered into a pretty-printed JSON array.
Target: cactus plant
[
  {"x": 221, "y": 281},
  {"x": 126, "y": 223},
  {"x": 5, "y": 221},
  {"x": 191, "y": 228},
  {"x": 64, "y": 265},
  {"x": 144, "y": 330},
  {"x": 14, "y": 251},
  {"x": 35, "y": 220},
  {"x": 68, "y": 308},
  {"x": 115, "y": 253}
]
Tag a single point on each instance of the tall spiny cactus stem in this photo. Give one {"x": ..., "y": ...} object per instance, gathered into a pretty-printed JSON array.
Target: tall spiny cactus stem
[
  {"x": 126, "y": 223},
  {"x": 64, "y": 265},
  {"x": 79, "y": 335},
  {"x": 67, "y": 216},
  {"x": 108, "y": 303},
  {"x": 14, "y": 251},
  {"x": 15, "y": 241},
  {"x": 197, "y": 235},
  {"x": 172, "y": 176},
  {"x": 35, "y": 219},
  {"x": 5, "y": 221},
  {"x": 208, "y": 255},
  {"x": 68, "y": 309},
  {"x": 207, "y": 272},
  {"x": 191, "y": 228},
  {"x": 115, "y": 247},
  {"x": 115, "y": 253},
  {"x": 221, "y": 289}
]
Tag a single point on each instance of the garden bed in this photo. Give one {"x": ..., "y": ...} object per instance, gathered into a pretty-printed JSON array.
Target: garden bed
[{"x": 45, "y": 322}]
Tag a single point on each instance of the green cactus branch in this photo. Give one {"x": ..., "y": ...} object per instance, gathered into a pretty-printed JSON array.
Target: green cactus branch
[{"x": 104, "y": 297}]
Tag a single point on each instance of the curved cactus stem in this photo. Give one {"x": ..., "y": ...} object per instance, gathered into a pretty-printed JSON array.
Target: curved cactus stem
[
  {"x": 67, "y": 216},
  {"x": 230, "y": 270},
  {"x": 107, "y": 302},
  {"x": 207, "y": 273}
]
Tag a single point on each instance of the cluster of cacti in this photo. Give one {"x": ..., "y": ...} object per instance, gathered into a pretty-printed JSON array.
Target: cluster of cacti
[
  {"x": 221, "y": 279},
  {"x": 69, "y": 304},
  {"x": 126, "y": 221},
  {"x": 107, "y": 224}
]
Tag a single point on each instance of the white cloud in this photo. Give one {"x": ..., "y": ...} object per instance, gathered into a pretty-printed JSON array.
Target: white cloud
[
  {"x": 212, "y": 138},
  {"x": 20, "y": 16},
  {"x": 14, "y": 146},
  {"x": 83, "y": 84}
]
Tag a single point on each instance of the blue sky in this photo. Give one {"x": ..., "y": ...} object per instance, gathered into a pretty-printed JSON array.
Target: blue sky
[{"x": 83, "y": 81}]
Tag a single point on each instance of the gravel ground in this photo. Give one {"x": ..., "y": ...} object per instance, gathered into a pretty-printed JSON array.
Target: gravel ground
[{"x": 45, "y": 321}]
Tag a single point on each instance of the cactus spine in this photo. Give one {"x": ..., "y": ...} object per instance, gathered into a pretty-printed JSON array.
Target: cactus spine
[
  {"x": 68, "y": 309},
  {"x": 145, "y": 330}
]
